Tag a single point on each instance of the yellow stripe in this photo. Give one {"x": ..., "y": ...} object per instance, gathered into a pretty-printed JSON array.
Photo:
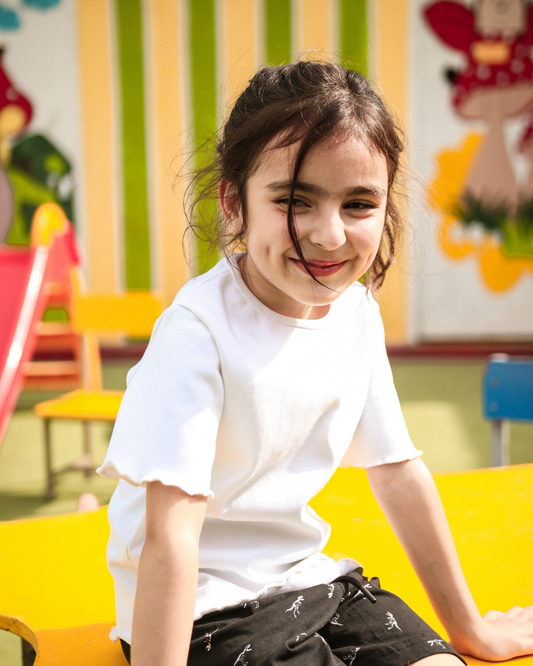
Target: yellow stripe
[
  {"x": 314, "y": 26},
  {"x": 239, "y": 47},
  {"x": 391, "y": 74},
  {"x": 392, "y": 53},
  {"x": 99, "y": 176},
  {"x": 166, "y": 135}
]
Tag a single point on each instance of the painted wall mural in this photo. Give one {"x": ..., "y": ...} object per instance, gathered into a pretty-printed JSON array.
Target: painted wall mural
[
  {"x": 494, "y": 85},
  {"x": 32, "y": 169},
  {"x": 100, "y": 98},
  {"x": 15, "y": 115},
  {"x": 12, "y": 16},
  {"x": 480, "y": 180},
  {"x": 99, "y": 121}
]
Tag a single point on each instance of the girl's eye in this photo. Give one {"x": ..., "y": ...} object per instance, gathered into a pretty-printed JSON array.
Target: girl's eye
[
  {"x": 296, "y": 202},
  {"x": 360, "y": 205}
]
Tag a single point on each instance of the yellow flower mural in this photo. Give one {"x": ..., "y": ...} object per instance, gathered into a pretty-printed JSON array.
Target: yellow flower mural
[{"x": 502, "y": 245}]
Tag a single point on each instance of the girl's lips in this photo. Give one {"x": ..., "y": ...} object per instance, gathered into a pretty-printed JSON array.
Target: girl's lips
[{"x": 320, "y": 268}]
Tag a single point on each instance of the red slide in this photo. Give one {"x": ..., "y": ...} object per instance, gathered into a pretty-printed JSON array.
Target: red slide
[{"x": 24, "y": 276}]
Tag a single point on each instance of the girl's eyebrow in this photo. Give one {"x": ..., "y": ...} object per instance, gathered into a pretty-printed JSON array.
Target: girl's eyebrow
[{"x": 316, "y": 190}]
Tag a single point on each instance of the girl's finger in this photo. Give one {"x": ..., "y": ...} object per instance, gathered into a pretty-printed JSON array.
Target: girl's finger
[
  {"x": 493, "y": 615},
  {"x": 513, "y": 612},
  {"x": 508, "y": 615},
  {"x": 527, "y": 614}
]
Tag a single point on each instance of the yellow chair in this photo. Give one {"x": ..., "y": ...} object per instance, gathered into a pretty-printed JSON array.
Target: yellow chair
[
  {"x": 130, "y": 313},
  {"x": 56, "y": 592}
]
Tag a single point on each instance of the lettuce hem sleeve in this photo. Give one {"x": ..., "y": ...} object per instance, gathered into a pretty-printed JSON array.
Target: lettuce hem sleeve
[
  {"x": 387, "y": 460},
  {"x": 167, "y": 477}
]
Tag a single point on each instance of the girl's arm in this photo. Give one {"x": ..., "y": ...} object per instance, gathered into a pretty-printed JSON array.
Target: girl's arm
[
  {"x": 168, "y": 576},
  {"x": 409, "y": 498}
]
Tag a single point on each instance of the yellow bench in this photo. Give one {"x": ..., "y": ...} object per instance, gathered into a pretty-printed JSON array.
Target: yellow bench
[{"x": 56, "y": 592}]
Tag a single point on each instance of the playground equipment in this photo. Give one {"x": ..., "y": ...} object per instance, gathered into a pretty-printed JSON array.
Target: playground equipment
[
  {"x": 93, "y": 314},
  {"x": 25, "y": 275},
  {"x": 31, "y": 279},
  {"x": 507, "y": 396},
  {"x": 59, "y": 596}
]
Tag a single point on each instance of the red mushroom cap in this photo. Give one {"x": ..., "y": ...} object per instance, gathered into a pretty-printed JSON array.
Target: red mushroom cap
[{"x": 9, "y": 96}]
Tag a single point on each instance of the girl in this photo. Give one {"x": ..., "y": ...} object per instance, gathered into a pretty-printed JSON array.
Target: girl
[{"x": 264, "y": 376}]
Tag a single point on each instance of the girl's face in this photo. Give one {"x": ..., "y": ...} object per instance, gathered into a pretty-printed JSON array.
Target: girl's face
[{"x": 340, "y": 204}]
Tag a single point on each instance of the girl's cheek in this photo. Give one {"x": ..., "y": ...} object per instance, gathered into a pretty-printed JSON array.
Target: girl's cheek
[
  {"x": 282, "y": 228},
  {"x": 365, "y": 239}
]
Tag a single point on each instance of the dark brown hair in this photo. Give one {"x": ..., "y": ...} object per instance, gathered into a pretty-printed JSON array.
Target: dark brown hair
[{"x": 305, "y": 103}]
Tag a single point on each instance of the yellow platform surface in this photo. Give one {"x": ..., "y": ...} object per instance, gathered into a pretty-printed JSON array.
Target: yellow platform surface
[
  {"x": 491, "y": 517},
  {"x": 56, "y": 592},
  {"x": 83, "y": 405}
]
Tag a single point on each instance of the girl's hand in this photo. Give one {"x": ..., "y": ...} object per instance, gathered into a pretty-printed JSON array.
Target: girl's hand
[{"x": 500, "y": 636}]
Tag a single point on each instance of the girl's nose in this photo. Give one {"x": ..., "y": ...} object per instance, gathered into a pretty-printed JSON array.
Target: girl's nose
[{"x": 328, "y": 230}]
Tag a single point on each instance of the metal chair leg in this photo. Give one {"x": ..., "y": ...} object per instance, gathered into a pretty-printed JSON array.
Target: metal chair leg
[
  {"x": 88, "y": 449},
  {"x": 49, "y": 494},
  {"x": 500, "y": 438}
]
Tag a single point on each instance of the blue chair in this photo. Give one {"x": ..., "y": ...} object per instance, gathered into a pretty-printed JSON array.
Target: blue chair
[{"x": 507, "y": 396}]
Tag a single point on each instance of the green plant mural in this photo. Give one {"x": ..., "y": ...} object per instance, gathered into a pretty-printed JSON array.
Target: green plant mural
[
  {"x": 514, "y": 230},
  {"x": 38, "y": 173}
]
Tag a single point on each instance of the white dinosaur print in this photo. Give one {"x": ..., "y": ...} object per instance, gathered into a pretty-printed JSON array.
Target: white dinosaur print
[
  {"x": 321, "y": 638},
  {"x": 437, "y": 641},
  {"x": 240, "y": 658},
  {"x": 335, "y": 620},
  {"x": 331, "y": 589},
  {"x": 350, "y": 658},
  {"x": 254, "y": 603},
  {"x": 207, "y": 639},
  {"x": 391, "y": 622},
  {"x": 295, "y": 608},
  {"x": 298, "y": 637}
]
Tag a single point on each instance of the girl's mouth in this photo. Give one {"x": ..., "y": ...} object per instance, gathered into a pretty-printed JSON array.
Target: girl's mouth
[{"x": 320, "y": 268}]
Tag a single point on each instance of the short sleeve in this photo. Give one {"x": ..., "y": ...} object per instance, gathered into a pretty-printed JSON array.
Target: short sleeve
[
  {"x": 381, "y": 435},
  {"x": 168, "y": 421}
]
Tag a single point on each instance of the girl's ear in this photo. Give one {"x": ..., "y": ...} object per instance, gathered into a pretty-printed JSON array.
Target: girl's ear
[{"x": 228, "y": 200}]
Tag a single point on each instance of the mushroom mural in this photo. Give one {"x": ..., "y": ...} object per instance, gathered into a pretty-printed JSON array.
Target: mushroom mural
[
  {"x": 494, "y": 85},
  {"x": 15, "y": 115},
  {"x": 33, "y": 170},
  {"x": 525, "y": 147}
]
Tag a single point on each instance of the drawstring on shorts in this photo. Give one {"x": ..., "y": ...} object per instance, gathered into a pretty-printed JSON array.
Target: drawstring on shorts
[{"x": 356, "y": 579}]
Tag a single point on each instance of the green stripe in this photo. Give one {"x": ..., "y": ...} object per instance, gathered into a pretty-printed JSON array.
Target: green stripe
[
  {"x": 204, "y": 103},
  {"x": 136, "y": 230},
  {"x": 354, "y": 35},
  {"x": 278, "y": 31}
]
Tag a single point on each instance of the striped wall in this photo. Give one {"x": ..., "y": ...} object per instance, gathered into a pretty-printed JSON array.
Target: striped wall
[
  {"x": 157, "y": 77},
  {"x": 391, "y": 43}
]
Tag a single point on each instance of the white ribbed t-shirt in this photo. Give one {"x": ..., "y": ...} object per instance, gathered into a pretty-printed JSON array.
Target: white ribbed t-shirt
[{"x": 254, "y": 410}]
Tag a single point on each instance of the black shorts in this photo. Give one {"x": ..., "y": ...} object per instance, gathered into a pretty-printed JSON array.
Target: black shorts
[{"x": 351, "y": 621}]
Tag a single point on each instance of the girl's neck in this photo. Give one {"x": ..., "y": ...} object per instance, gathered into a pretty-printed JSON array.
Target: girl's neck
[{"x": 274, "y": 299}]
